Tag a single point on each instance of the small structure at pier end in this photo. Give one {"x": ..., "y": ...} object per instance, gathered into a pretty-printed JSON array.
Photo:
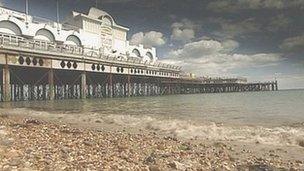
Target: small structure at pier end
[{"x": 85, "y": 56}]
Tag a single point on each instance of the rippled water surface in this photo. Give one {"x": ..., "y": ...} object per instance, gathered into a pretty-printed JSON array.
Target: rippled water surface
[
  {"x": 264, "y": 117},
  {"x": 256, "y": 108}
]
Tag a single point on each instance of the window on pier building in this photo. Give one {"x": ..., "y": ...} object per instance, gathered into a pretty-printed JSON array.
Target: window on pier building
[
  {"x": 9, "y": 27},
  {"x": 149, "y": 55},
  {"x": 107, "y": 21},
  {"x": 136, "y": 53},
  {"x": 44, "y": 35},
  {"x": 73, "y": 40}
]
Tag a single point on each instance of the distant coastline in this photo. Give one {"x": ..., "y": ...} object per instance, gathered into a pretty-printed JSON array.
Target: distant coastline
[{"x": 287, "y": 89}]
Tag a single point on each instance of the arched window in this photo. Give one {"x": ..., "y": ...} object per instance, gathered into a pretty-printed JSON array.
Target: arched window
[
  {"x": 149, "y": 55},
  {"x": 136, "y": 53},
  {"x": 45, "y": 35},
  {"x": 107, "y": 21},
  {"x": 73, "y": 40},
  {"x": 9, "y": 27}
]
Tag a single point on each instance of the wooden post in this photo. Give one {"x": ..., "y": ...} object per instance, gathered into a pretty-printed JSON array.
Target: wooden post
[
  {"x": 51, "y": 84},
  {"x": 129, "y": 86},
  {"x": 111, "y": 85},
  {"x": 6, "y": 82},
  {"x": 169, "y": 87},
  {"x": 83, "y": 85}
]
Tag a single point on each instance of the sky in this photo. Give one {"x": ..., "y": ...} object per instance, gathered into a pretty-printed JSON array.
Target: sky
[{"x": 261, "y": 40}]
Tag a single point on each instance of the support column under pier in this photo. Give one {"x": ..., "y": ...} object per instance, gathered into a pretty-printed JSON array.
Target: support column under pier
[
  {"x": 111, "y": 88},
  {"x": 129, "y": 85},
  {"x": 51, "y": 84},
  {"x": 6, "y": 84},
  {"x": 83, "y": 85}
]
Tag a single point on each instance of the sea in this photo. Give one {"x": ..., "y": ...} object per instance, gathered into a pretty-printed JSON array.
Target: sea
[{"x": 271, "y": 117}]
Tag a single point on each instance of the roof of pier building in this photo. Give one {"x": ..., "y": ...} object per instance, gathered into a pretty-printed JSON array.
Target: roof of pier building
[{"x": 99, "y": 16}]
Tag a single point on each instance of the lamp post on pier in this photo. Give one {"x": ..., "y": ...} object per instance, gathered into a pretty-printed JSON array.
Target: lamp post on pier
[{"x": 26, "y": 11}]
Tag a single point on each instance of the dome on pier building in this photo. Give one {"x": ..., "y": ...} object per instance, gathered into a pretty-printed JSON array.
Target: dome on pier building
[
  {"x": 101, "y": 15},
  {"x": 98, "y": 30}
]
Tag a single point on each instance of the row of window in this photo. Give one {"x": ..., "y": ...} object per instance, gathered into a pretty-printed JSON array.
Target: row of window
[
  {"x": 98, "y": 67},
  {"x": 151, "y": 72},
  {"x": 27, "y": 60},
  {"x": 133, "y": 71},
  {"x": 68, "y": 64}
]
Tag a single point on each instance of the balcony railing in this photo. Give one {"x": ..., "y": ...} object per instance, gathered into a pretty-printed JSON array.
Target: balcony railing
[{"x": 20, "y": 42}]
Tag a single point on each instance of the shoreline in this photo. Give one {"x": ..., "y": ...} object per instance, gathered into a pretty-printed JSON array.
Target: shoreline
[{"x": 40, "y": 144}]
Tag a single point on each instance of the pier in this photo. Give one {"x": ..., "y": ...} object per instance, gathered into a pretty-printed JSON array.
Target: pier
[
  {"x": 34, "y": 72},
  {"x": 42, "y": 60},
  {"x": 198, "y": 86}
]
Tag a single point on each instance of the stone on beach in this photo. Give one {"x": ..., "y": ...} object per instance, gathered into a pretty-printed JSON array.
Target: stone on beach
[
  {"x": 47, "y": 146},
  {"x": 301, "y": 142}
]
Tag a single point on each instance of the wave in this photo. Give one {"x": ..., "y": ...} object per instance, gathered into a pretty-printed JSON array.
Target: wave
[{"x": 282, "y": 135}]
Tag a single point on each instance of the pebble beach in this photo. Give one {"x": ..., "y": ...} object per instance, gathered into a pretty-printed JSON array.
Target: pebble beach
[{"x": 28, "y": 143}]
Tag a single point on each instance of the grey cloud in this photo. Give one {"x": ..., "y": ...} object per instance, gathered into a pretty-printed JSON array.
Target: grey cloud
[
  {"x": 139, "y": 3},
  {"x": 278, "y": 23},
  {"x": 231, "y": 28},
  {"x": 235, "y": 5},
  {"x": 114, "y": 1},
  {"x": 229, "y": 45},
  {"x": 293, "y": 44},
  {"x": 183, "y": 31}
]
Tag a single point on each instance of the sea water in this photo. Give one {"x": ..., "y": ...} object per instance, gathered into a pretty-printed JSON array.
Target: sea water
[{"x": 264, "y": 117}]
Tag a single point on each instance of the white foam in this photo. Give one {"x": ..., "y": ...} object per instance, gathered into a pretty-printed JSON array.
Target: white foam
[
  {"x": 283, "y": 135},
  {"x": 185, "y": 129}
]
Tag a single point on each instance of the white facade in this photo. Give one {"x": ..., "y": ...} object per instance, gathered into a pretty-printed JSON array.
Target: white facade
[{"x": 96, "y": 30}]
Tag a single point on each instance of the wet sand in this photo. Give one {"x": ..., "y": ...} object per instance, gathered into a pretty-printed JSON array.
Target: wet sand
[{"x": 35, "y": 143}]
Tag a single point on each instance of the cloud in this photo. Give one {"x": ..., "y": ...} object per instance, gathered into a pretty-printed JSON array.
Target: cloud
[
  {"x": 148, "y": 39},
  {"x": 183, "y": 31},
  {"x": 230, "y": 28},
  {"x": 229, "y": 45},
  {"x": 214, "y": 58},
  {"x": 197, "y": 49},
  {"x": 278, "y": 23},
  {"x": 113, "y": 1},
  {"x": 293, "y": 44},
  {"x": 235, "y": 5},
  {"x": 148, "y": 4}
]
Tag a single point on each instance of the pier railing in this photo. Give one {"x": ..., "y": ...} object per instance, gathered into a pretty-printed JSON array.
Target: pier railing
[{"x": 19, "y": 43}]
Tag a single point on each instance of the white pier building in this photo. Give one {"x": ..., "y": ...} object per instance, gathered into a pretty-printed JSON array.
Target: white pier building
[
  {"x": 86, "y": 55},
  {"x": 93, "y": 35}
]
